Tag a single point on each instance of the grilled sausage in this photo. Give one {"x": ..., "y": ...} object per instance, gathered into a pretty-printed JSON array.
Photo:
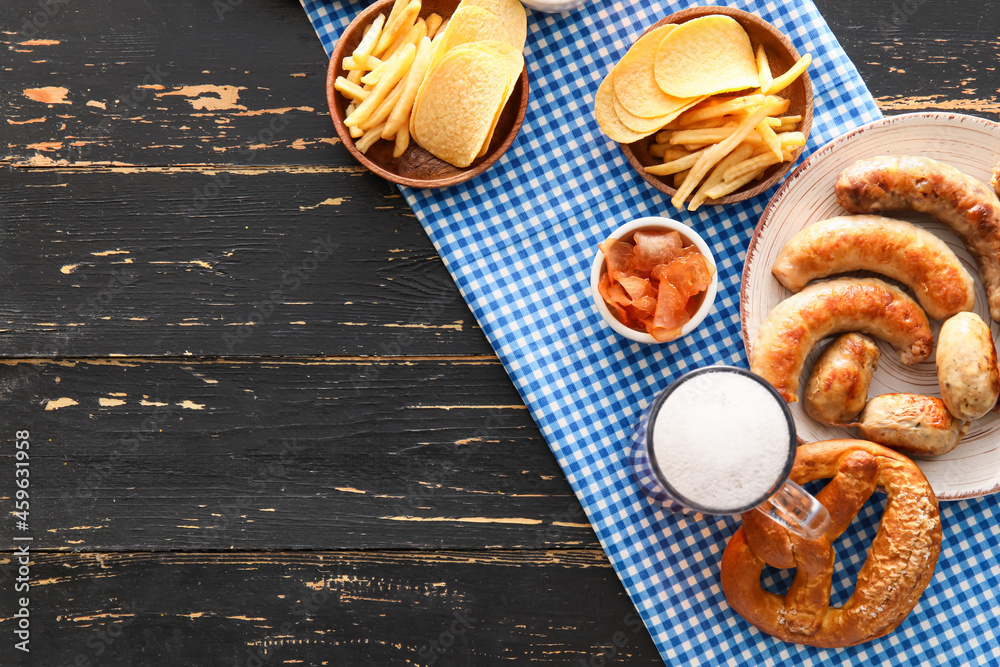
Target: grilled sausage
[
  {"x": 838, "y": 385},
  {"x": 894, "y": 248},
  {"x": 868, "y": 305},
  {"x": 970, "y": 208},
  {"x": 967, "y": 366},
  {"x": 912, "y": 424}
]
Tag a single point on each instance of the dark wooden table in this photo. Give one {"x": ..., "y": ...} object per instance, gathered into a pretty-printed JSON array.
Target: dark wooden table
[{"x": 264, "y": 426}]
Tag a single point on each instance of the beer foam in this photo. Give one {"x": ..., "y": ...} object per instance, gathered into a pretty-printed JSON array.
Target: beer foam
[{"x": 721, "y": 441}]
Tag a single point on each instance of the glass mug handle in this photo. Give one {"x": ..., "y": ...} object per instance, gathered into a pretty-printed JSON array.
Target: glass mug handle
[{"x": 797, "y": 510}]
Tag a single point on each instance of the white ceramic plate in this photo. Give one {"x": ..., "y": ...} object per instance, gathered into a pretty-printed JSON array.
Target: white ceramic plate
[{"x": 970, "y": 144}]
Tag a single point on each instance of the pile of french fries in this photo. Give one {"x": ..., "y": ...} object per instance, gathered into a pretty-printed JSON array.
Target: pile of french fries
[
  {"x": 384, "y": 73},
  {"x": 725, "y": 142}
]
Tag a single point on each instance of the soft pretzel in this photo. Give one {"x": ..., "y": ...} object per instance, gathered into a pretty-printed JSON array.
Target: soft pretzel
[{"x": 900, "y": 562}]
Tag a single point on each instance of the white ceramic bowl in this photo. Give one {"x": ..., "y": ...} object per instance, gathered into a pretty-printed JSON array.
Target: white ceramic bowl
[
  {"x": 625, "y": 232},
  {"x": 553, "y": 6}
]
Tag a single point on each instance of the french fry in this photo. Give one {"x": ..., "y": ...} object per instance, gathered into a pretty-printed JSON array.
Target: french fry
[
  {"x": 381, "y": 113},
  {"x": 366, "y": 46},
  {"x": 792, "y": 139},
  {"x": 719, "y": 107},
  {"x": 713, "y": 154},
  {"x": 396, "y": 68},
  {"x": 372, "y": 77},
  {"x": 763, "y": 70},
  {"x": 397, "y": 7},
  {"x": 663, "y": 136},
  {"x": 355, "y": 132},
  {"x": 751, "y": 165},
  {"x": 412, "y": 35},
  {"x": 674, "y": 153},
  {"x": 400, "y": 23},
  {"x": 679, "y": 177},
  {"x": 729, "y": 187},
  {"x": 709, "y": 135},
  {"x": 658, "y": 150},
  {"x": 739, "y": 154},
  {"x": 350, "y": 90},
  {"x": 674, "y": 166},
  {"x": 433, "y": 23},
  {"x": 401, "y": 112},
  {"x": 770, "y": 138},
  {"x": 794, "y": 72},
  {"x": 781, "y": 104},
  {"x": 369, "y": 138},
  {"x": 350, "y": 64},
  {"x": 718, "y": 121},
  {"x": 402, "y": 141},
  {"x": 786, "y": 120}
]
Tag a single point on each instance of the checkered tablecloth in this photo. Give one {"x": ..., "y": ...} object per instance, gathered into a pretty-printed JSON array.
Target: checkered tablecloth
[{"x": 519, "y": 241}]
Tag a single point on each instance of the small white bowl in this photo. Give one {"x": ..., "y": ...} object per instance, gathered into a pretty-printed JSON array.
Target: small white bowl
[
  {"x": 625, "y": 232},
  {"x": 553, "y": 6}
]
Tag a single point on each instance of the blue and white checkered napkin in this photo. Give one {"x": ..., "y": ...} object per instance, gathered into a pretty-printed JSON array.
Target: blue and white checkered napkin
[{"x": 519, "y": 241}]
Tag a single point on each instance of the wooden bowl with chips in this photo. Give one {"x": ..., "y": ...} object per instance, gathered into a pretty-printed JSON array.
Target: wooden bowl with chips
[
  {"x": 416, "y": 167},
  {"x": 781, "y": 56}
]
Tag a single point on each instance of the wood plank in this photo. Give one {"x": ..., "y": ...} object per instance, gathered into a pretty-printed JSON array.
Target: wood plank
[
  {"x": 135, "y": 455},
  {"x": 920, "y": 55},
  {"x": 184, "y": 261},
  {"x": 330, "y": 608},
  {"x": 192, "y": 82},
  {"x": 224, "y": 105}
]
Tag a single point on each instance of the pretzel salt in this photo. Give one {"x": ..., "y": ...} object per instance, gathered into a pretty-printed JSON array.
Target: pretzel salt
[{"x": 900, "y": 561}]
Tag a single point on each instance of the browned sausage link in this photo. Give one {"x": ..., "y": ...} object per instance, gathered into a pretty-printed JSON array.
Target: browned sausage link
[
  {"x": 969, "y": 207},
  {"x": 867, "y": 305},
  {"x": 913, "y": 424},
  {"x": 838, "y": 385}
]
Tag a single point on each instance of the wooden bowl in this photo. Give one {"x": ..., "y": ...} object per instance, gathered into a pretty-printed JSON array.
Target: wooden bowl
[
  {"x": 416, "y": 167},
  {"x": 781, "y": 56}
]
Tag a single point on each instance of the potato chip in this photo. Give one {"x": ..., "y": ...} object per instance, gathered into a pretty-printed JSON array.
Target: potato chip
[
  {"x": 471, "y": 24},
  {"x": 515, "y": 64},
  {"x": 456, "y": 105},
  {"x": 705, "y": 56},
  {"x": 654, "y": 283},
  {"x": 653, "y": 248},
  {"x": 510, "y": 13},
  {"x": 604, "y": 112},
  {"x": 636, "y": 123},
  {"x": 635, "y": 84}
]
